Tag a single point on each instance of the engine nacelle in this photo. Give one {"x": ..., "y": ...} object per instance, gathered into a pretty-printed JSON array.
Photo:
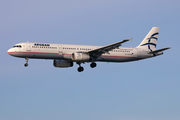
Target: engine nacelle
[
  {"x": 62, "y": 63},
  {"x": 80, "y": 57}
]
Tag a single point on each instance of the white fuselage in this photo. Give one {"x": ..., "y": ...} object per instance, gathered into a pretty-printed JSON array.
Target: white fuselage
[
  {"x": 64, "y": 55},
  {"x": 64, "y": 52}
]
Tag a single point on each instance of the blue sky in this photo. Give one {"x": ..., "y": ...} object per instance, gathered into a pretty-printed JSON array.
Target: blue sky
[{"x": 142, "y": 90}]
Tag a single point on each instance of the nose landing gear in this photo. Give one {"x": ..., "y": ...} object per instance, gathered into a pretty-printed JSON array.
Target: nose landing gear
[{"x": 26, "y": 64}]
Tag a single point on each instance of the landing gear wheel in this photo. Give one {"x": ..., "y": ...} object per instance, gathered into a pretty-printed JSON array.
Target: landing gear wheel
[
  {"x": 80, "y": 69},
  {"x": 25, "y": 64},
  {"x": 93, "y": 64}
]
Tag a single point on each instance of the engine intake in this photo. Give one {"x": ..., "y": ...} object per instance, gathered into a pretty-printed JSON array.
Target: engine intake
[
  {"x": 80, "y": 57},
  {"x": 62, "y": 63}
]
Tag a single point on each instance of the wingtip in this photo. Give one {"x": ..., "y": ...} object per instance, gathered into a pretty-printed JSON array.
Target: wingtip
[
  {"x": 167, "y": 48},
  {"x": 130, "y": 39}
]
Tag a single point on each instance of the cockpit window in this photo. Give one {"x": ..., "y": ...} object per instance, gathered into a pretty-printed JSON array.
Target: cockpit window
[{"x": 19, "y": 46}]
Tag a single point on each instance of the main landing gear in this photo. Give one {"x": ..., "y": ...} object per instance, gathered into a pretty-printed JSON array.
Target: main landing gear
[
  {"x": 93, "y": 65},
  {"x": 26, "y": 64},
  {"x": 80, "y": 68}
]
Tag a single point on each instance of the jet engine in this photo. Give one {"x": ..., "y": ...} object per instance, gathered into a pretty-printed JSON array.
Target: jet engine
[
  {"x": 80, "y": 57},
  {"x": 62, "y": 63}
]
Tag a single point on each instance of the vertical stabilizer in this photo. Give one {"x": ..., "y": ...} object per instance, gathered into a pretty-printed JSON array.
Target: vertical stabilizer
[{"x": 150, "y": 41}]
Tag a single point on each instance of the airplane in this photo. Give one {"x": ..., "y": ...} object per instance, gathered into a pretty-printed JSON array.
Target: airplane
[{"x": 64, "y": 55}]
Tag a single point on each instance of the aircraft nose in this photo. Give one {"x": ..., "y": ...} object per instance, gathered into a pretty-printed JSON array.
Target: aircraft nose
[{"x": 10, "y": 51}]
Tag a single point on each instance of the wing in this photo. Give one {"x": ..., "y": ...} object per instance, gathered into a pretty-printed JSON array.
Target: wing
[{"x": 99, "y": 51}]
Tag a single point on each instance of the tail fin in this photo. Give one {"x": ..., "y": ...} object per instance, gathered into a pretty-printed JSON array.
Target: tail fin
[{"x": 150, "y": 41}]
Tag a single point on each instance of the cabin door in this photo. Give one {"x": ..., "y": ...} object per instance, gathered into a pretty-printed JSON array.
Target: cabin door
[
  {"x": 60, "y": 48},
  {"x": 28, "y": 46}
]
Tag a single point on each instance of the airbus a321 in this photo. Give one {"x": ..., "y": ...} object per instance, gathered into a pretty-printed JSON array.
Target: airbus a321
[{"x": 64, "y": 55}]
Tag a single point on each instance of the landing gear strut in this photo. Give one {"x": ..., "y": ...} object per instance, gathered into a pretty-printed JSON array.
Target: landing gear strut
[
  {"x": 93, "y": 64},
  {"x": 26, "y": 64},
  {"x": 80, "y": 69}
]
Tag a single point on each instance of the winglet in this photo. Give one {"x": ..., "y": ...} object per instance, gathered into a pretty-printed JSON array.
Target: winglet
[{"x": 130, "y": 39}]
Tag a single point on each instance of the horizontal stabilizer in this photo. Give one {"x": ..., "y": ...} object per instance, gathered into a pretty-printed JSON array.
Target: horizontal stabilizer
[{"x": 160, "y": 50}]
